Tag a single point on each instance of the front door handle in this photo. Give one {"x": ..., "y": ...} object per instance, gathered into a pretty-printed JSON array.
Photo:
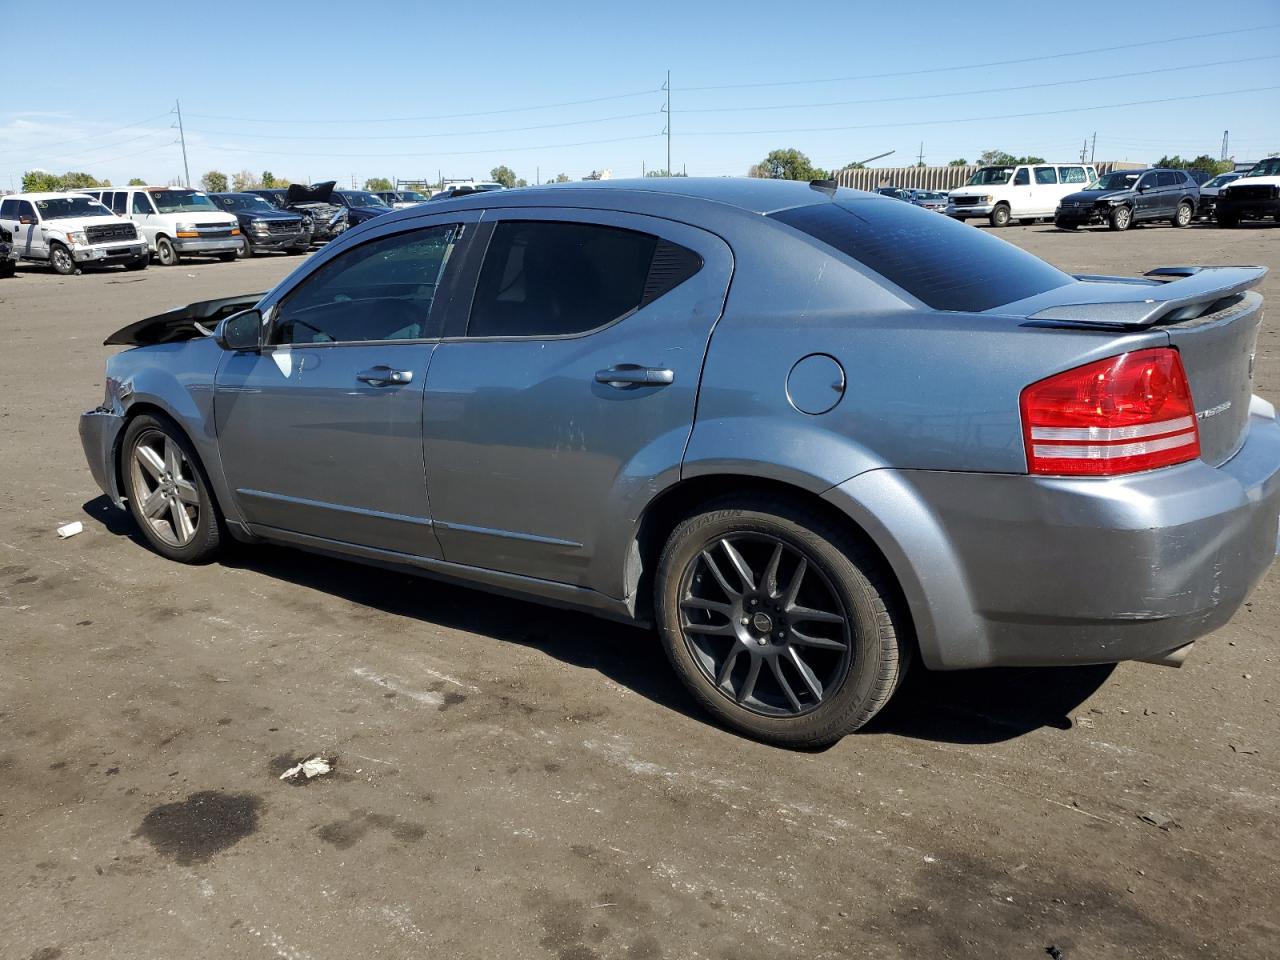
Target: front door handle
[
  {"x": 382, "y": 376},
  {"x": 624, "y": 376}
]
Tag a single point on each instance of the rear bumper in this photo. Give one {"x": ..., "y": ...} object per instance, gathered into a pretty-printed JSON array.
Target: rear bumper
[
  {"x": 1002, "y": 569},
  {"x": 100, "y": 436}
]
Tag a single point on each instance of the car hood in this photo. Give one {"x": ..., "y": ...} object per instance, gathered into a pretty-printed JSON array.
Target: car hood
[
  {"x": 79, "y": 223},
  {"x": 1089, "y": 196},
  {"x": 976, "y": 191},
  {"x": 311, "y": 193},
  {"x": 181, "y": 323},
  {"x": 370, "y": 211}
]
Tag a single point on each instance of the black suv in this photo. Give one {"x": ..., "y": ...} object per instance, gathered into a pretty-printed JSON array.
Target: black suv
[
  {"x": 263, "y": 226},
  {"x": 1125, "y": 197},
  {"x": 8, "y": 256},
  {"x": 315, "y": 201}
]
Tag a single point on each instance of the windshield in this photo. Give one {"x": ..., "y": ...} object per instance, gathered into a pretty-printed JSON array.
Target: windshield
[
  {"x": 408, "y": 196},
  {"x": 361, "y": 198},
  {"x": 61, "y": 208},
  {"x": 250, "y": 204},
  {"x": 990, "y": 175},
  {"x": 1117, "y": 180},
  {"x": 1222, "y": 178},
  {"x": 1266, "y": 168},
  {"x": 178, "y": 201}
]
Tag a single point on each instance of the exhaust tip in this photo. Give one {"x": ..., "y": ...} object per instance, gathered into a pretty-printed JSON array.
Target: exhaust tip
[{"x": 1174, "y": 658}]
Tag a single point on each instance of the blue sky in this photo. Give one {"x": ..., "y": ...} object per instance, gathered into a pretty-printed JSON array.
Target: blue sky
[{"x": 319, "y": 90}]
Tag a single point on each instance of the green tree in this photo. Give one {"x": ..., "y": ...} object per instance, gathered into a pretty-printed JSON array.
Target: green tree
[
  {"x": 788, "y": 164},
  {"x": 42, "y": 181},
  {"x": 522, "y": 182},
  {"x": 244, "y": 180},
  {"x": 961, "y": 162},
  {"x": 137, "y": 182},
  {"x": 504, "y": 175},
  {"x": 268, "y": 178},
  {"x": 663, "y": 173},
  {"x": 1202, "y": 162},
  {"x": 998, "y": 158},
  {"x": 78, "y": 181},
  {"x": 215, "y": 181},
  {"x": 560, "y": 178},
  {"x": 378, "y": 184}
]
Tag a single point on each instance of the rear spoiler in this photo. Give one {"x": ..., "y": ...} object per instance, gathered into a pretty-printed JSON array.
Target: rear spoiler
[
  {"x": 181, "y": 323},
  {"x": 1170, "y": 295}
]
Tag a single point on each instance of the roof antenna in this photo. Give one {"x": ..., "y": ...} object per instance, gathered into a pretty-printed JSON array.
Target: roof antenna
[{"x": 826, "y": 186}]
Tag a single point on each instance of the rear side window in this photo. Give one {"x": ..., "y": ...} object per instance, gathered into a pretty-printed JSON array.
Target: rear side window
[
  {"x": 940, "y": 261},
  {"x": 8, "y": 209},
  {"x": 1046, "y": 175},
  {"x": 1169, "y": 179},
  {"x": 120, "y": 202},
  {"x": 545, "y": 279},
  {"x": 1073, "y": 175}
]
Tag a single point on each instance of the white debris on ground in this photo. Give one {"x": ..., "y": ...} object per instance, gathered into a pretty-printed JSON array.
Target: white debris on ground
[
  {"x": 70, "y": 529},
  {"x": 317, "y": 766}
]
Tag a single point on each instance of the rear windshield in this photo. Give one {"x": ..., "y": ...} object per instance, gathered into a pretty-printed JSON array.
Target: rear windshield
[{"x": 940, "y": 261}]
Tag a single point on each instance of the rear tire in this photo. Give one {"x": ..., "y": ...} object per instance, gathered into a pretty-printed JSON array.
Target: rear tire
[
  {"x": 820, "y": 652},
  {"x": 168, "y": 492},
  {"x": 1000, "y": 215},
  {"x": 1183, "y": 217},
  {"x": 1121, "y": 219},
  {"x": 8, "y": 268},
  {"x": 141, "y": 263},
  {"x": 1067, "y": 226},
  {"x": 61, "y": 260},
  {"x": 228, "y": 257},
  {"x": 1228, "y": 220},
  {"x": 166, "y": 253}
]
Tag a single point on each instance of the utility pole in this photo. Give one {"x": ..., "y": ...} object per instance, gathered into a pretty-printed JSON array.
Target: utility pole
[
  {"x": 182, "y": 136},
  {"x": 667, "y": 110},
  {"x": 1225, "y": 136},
  {"x": 537, "y": 175},
  {"x": 1094, "y": 148},
  {"x": 920, "y": 159}
]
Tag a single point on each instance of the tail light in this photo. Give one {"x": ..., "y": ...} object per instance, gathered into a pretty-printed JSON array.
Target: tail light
[{"x": 1120, "y": 415}]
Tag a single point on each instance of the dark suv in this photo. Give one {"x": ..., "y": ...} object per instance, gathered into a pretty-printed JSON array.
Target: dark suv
[
  {"x": 263, "y": 226},
  {"x": 328, "y": 217},
  {"x": 361, "y": 205},
  {"x": 1125, "y": 197}
]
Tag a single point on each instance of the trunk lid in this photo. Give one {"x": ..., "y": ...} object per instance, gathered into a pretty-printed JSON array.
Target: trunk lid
[{"x": 1209, "y": 314}]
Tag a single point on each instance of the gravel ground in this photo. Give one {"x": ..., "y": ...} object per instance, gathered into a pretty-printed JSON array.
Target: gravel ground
[{"x": 515, "y": 781}]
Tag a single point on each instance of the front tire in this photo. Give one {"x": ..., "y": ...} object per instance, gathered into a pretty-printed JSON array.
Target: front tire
[
  {"x": 61, "y": 260},
  {"x": 1026, "y": 221},
  {"x": 780, "y": 625},
  {"x": 1121, "y": 218},
  {"x": 245, "y": 250},
  {"x": 168, "y": 492},
  {"x": 166, "y": 253},
  {"x": 1183, "y": 217},
  {"x": 1000, "y": 215}
]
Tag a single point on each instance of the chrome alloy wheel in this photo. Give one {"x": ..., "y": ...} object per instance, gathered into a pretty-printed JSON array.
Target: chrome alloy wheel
[
  {"x": 764, "y": 624},
  {"x": 163, "y": 482}
]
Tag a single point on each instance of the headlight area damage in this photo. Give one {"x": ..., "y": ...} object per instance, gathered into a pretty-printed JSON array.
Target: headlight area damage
[{"x": 181, "y": 323}]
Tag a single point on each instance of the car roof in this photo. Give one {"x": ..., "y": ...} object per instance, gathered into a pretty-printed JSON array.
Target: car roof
[
  {"x": 50, "y": 195},
  {"x": 749, "y": 194},
  {"x": 234, "y": 193}
]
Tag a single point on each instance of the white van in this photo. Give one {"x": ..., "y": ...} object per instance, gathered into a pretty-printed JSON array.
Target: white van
[
  {"x": 175, "y": 221},
  {"x": 68, "y": 230},
  {"x": 1018, "y": 191}
]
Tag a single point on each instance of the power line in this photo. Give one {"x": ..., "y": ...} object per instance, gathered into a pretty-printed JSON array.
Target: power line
[
  {"x": 430, "y": 136},
  {"x": 977, "y": 66},
  {"x": 105, "y": 146},
  {"x": 347, "y": 121},
  {"x": 435, "y": 153},
  {"x": 1002, "y": 116},
  {"x": 91, "y": 136},
  {"x": 968, "y": 93}
]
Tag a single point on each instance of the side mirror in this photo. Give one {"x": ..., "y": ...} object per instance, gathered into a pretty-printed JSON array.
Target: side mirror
[
  {"x": 25, "y": 220},
  {"x": 1143, "y": 187},
  {"x": 240, "y": 331}
]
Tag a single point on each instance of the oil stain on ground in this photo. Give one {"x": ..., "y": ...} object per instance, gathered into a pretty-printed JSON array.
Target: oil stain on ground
[
  {"x": 203, "y": 825},
  {"x": 346, "y": 833}
]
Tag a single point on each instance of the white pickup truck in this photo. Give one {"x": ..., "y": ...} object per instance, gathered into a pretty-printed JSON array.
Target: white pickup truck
[
  {"x": 69, "y": 231},
  {"x": 1018, "y": 191},
  {"x": 176, "y": 221}
]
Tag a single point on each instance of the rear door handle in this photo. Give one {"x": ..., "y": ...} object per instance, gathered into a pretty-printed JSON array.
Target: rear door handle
[
  {"x": 624, "y": 376},
  {"x": 383, "y": 376}
]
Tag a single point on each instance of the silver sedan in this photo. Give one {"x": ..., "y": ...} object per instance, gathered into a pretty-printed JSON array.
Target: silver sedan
[{"x": 811, "y": 434}]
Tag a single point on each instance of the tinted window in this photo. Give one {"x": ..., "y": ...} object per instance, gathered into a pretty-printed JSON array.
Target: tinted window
[
  {"x": 141, "y": 203},
  {"x": 381, "y": 290},
  {"x": 1046, "y": 175},
  {"x": 549, "y": 279},
  {"x": 1148, "y": 180},
  {"x": 938, "y": 260},
  {"x": 1022, "y": 178},
  {"x": 8, "y": 209},
  {"x": 26, "y": 210},
  {"x": 1073, "y": 175},
  {"x": 1169, "y": 179},
  {"x": 119, "y": 202}
]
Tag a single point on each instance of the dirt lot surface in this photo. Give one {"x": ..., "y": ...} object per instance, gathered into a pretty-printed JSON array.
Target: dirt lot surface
[{"x": 513, "y": 781}]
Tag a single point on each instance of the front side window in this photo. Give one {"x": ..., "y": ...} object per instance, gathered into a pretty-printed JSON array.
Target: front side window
[
  {"x": 1046, "y": 175},
  {"x": 1073, "y": 175},
  {"x": 1022, "y": 178},
  {"x": 990, "y": 176},
  {"x": 1148, "y": 180},
  {"x": 26, "y": 210},
  {"x": 545, "y": 279},
  {"x": 141, "y": 203},
  {"x": 381, "y": 290}
]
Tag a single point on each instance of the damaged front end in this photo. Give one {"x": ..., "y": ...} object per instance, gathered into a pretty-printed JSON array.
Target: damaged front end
[
  {"x": 181, "y": 323},
  {"x": 315, "y": 200}
]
